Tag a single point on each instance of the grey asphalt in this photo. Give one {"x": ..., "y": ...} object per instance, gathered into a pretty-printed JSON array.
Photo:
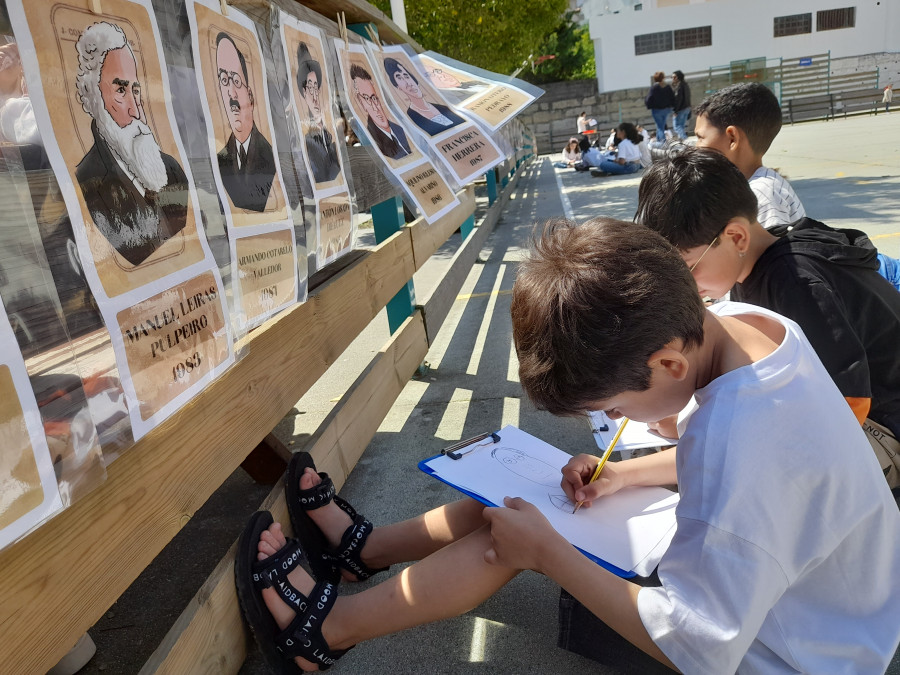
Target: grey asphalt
[{"x": 847, "y": 173}]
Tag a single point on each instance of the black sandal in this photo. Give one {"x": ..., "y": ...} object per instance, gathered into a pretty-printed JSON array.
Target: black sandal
[
  {"x": 325, "y": 561},
  {"x": 303, "y": 637}
]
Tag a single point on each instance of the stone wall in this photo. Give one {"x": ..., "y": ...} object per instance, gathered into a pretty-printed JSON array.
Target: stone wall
[{"x": 552, "y": 118}]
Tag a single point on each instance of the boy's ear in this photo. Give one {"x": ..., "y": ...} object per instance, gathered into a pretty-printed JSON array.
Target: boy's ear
[
  {"x": 671, "y": 361},
  {"x": 735, "y": 136},
  {"x": 737, "y": 231}
]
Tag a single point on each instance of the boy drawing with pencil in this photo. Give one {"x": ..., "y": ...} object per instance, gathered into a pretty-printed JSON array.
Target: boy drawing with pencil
[
  {"x": 824, "y": 279},
  {"x": 786, "y": 556}
]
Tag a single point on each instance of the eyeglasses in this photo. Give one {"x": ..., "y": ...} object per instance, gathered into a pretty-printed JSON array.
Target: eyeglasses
[
  {"x": 225, "y": 77},
  {"x": 705, "y": 251},
  {"x": 311, "y": 87},
  {"x": 371, "y": 100}
]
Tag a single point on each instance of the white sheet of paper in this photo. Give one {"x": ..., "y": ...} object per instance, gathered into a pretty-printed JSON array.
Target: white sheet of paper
[
  {"x": 630, "y": 529},
  {"x": 636, "y": 435}
]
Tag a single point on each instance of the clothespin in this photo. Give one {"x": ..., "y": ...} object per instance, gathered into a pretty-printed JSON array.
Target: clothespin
[
  {"x": 223, "y": 6},
  {"x": 95, "y": 7},
  {"x": 342, "y": 26},
  {"x": 373, "y": 36}
]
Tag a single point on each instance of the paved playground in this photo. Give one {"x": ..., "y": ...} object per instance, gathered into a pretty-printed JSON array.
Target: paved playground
[{"x": 847, "y": 172}]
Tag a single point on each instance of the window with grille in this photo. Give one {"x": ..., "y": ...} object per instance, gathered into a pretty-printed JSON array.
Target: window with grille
[
  {"x": 693, "y": 37},
  {"x": 650, "y": 43},
  {"x": 795, "y": 24},
  {"x": 832, "y": 19}
]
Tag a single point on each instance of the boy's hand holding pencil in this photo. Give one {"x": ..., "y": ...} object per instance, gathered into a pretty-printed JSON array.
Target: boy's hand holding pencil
[{"x": 577, "y": 475}]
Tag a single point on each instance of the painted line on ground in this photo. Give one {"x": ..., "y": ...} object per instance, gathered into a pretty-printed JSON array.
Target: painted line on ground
[{"x": 566, "y": 204}]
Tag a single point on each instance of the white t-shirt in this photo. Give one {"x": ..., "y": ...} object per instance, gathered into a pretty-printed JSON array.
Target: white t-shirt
[
  {"x": 786, "y": 557},
  {"x": 582, "y": 124},
  {"x": 628, "y": 151},
  {"x": 778, "y": 204},
  {"x": 646, "y": 157}
]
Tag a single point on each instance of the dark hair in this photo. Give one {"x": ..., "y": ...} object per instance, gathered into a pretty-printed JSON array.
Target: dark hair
[
  {"x": 678, "y": 74},
  {"x": 631, "y": 132},
  {"x": 225, "y": 36},
  {"x": 306, "y": 64},
  {"x": 690, "y": 196},
  {"x": 752, "y": 107},
  {"x": 357, "y": 71},
  {"x": 392, "y": 67},
  {"x": 590, "y": 305},
  {"x": 659, "y": 76}
]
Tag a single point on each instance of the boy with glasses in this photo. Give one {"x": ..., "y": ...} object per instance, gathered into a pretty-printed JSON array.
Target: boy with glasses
[{"x": 824, "y": 279}]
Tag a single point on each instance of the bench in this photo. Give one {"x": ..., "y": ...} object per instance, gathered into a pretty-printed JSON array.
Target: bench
[
  {"x": 808, "y": 108},
  {"x": 859, "y": 100}
]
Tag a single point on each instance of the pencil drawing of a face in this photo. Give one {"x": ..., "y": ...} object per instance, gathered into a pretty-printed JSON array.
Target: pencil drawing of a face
[{"x": 527, "y": 466}]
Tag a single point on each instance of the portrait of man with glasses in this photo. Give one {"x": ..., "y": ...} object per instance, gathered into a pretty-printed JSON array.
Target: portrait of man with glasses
[
  {"x": 388, "y": 136},
  {"x": 246, "y": 163},
  {"x": 321, "y": 151}
]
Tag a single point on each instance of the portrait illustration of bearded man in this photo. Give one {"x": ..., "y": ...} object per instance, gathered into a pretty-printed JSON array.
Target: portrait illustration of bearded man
[
  {"x": 320, "y": 148},
  {"x": 246, "y": 163},
  {"x": 136, "y": 194}
]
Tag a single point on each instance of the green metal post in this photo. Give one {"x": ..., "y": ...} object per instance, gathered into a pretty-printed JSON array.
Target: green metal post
[
  {"x": 387, "y": 218},
  {"x": 466, "y": 228},
  {"x": 491, "y": 177}
]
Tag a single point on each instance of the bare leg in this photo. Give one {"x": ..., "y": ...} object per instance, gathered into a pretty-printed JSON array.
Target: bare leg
[
  {"x": 453, "y": 580},
  {"x": 411, "y": 539}
]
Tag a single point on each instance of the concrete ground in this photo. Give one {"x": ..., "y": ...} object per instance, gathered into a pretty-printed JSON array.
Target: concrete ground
[{"x": 847, "y": 172}]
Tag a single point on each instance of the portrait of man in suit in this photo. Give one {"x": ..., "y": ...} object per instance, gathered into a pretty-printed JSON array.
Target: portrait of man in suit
[
  {"x": 136, "y": 194},
  {"x": 246, "y": 163},
  {"x": 389, "y": 137},
  {"x": 320, "y": 148}
]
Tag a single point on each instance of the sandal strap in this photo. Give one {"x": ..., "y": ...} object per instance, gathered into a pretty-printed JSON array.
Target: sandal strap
[
  {"x": 275, "y": 568},
  {"x": 303, "y": 636},
  {"x": 348, "y": 553},
  {"x": 318, "y": 496}
]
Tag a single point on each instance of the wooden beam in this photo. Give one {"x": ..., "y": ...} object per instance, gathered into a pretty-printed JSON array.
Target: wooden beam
[
  {"x": 426, "y": 239},
  {"x": 58, "y": 581},
  {"x": 208, "y": 637}
]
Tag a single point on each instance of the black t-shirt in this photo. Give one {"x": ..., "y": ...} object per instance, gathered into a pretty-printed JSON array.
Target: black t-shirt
[{"x": 827, "y": 281}]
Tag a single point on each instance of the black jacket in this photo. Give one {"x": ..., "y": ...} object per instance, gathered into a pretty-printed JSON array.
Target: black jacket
[
  {"x": 682, "y": 97},
  {"x": 827, "y": 281},
  {"x": 136, "y": 225},
  {"x": 248, "y": 186},
  {"x": 322, "y": 154},
  {"x": 660, "y": 97}
]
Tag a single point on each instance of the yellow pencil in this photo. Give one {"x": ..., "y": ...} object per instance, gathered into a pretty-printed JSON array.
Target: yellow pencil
[{"x": 605, "y": 457}]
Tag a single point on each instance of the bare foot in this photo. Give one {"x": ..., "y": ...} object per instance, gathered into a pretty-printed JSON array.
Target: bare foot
[
  {"x": 332, "y": 520},
  {"x": 269, "y": 542}
]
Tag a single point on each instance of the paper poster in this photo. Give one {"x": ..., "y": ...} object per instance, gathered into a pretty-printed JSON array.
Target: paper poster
[
  {"x": 231, "y": 78},
  {"x": 100, "y": 93},
  {"x": 465, "y": 149},
  {"x": 421, "y": 181},
  {"x": 492, "y": 102},
  {"x": 312, "y": 99},
  {"x": 28, "y": 491}
]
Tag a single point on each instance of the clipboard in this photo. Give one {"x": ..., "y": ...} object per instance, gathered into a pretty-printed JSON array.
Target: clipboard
[
  {"x": 423, "y": 466},
  {"x": 627, "y": 538}
]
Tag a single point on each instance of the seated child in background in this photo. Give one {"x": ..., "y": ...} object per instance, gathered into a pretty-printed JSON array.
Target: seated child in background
[
  {"x": 570, "y": 154},
  {"x": 785, "y": 556},
  {"x": 741, "y": 121},
  {"x": 628, "y": 155},
  {"x": 824, "y": 279}
]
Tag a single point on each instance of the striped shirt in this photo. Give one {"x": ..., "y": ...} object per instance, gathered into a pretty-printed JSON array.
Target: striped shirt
[{"x": 778, "y": 204}]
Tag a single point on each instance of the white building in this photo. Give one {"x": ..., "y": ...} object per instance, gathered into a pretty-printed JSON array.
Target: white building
[{"x": 635, "y": 38}]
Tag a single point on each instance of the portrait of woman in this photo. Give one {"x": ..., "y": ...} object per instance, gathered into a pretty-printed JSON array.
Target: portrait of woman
[{"x": 432, "y": 118}]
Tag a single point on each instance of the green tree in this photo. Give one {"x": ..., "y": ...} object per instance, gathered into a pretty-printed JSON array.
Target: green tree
[
  {"x": 497, "y": 35},
  {"x": 572, "y": 53}
]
